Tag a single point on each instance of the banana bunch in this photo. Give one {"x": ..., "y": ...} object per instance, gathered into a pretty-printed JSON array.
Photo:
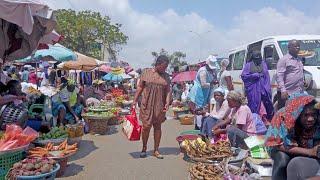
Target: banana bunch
[{"x": 201, "y": 149}]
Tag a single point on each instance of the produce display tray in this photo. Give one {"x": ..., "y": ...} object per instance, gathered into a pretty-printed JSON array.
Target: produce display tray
[
  {"x": 240, "y": 156},
  {"x": 55, "y": 155},
  {"x": 96, "y": 117},
  {"x": 45, "y": 142},
  {"x": 99, "y": 110}
]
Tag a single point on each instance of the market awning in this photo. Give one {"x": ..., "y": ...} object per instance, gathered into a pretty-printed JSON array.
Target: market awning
[
  {"x": 185, "y": 76},
  {"x": 23, "y": 24},
  {"x": 57, "y": 52},
  {"x": 83, "y": 63}
]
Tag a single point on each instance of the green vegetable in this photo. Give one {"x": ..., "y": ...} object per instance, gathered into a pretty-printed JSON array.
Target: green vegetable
[{"x": 55, "y": 133}]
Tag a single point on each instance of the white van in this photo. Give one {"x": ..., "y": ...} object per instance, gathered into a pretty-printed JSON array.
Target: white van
[{"x": 272, "y": 49}]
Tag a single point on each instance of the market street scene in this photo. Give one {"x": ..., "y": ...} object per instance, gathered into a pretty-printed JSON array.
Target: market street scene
[{"x": 159, "y": 90}]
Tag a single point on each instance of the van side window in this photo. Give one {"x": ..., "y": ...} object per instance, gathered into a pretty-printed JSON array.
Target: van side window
[
  {"x": 239, "y": 60},
  {"x": 229, "y": 67},
  {"x": 271, "y": 57}
]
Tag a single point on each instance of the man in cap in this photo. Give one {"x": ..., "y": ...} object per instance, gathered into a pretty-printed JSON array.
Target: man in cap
[
  {"x": 256, "y": 81},
  {"x": 200, "y": 93}
]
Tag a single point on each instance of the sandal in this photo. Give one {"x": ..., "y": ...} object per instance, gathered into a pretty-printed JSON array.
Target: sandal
[
  {"x": 157, "y": 155},
  {"x": 143, "y": 154}
]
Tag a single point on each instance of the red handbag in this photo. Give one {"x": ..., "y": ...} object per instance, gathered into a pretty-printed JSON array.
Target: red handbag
[{"x": 131, "y": 127}]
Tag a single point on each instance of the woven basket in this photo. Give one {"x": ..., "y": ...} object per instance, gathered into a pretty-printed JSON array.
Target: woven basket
[
  {"x": 113, "y": 121},
  {"x": 186, "y": 120},
  {"x": 97, "y": 125},
  {"x": 7, "y": 160}
]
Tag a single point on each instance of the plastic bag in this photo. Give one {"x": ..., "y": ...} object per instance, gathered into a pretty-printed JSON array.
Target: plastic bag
[
  {"x": 131, "y": 127},
  {"x": 27, "y": 136},
  {"x": 15, "y": 137},
  {"x": 11, "y": 131},
  {"x": 260, "y": 126}
]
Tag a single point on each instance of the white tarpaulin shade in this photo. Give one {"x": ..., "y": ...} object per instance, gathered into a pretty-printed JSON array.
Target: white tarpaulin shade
[
  {"x": 24, "y": 23},
  {"x": 50, "y": 38}
]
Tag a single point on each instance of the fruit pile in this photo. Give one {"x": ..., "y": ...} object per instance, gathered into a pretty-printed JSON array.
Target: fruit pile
[
  {"x": 116, "y": 92},
  {"x": 202, "y": 171},
  {"x": 31, "y": 167},
  {"x": 200, "y": 149}
]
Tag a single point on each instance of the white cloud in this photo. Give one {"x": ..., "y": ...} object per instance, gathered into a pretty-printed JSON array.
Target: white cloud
[{"x": 170, "y": 30}]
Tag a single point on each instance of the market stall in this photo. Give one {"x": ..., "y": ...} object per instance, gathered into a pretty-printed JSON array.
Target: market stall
[{"x": 216, "y": 159}]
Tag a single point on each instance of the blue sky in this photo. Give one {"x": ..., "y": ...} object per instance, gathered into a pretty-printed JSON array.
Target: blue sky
[
  {"x": 223, "y": 11},
  {"x": 155, "y": 24}
]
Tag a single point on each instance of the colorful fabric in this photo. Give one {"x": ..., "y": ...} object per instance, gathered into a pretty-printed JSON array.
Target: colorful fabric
[
  {"x": 258, "y": 88},
  {"x": 73, "y": 98},
  {"x": 281, "y": 131},
  {"x": 57, "y": 106}
]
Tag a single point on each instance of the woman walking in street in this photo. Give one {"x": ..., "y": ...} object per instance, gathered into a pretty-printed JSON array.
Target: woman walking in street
[{"x": 154, "y": 88}]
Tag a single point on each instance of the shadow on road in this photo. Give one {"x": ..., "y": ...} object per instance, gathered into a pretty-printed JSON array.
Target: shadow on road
[
  {"x": 163, "y": 150},
  {"x": 72, "y": 170},
  {"x": 86, "y": 147}
]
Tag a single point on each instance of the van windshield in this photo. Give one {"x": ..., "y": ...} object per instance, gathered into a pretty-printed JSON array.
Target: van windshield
[{"x": 309, "y": 49}]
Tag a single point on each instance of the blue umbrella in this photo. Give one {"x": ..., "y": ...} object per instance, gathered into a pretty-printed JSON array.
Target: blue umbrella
[
  {"x": 115, "y": 77},
  {"x": 57, "y": 52}
]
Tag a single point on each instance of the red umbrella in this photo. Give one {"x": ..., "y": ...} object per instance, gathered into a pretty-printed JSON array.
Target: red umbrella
[{"x": 185, "y": 76}]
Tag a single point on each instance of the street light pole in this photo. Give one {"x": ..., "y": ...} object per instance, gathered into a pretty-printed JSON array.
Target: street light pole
[{"x": 200, "y": 38}]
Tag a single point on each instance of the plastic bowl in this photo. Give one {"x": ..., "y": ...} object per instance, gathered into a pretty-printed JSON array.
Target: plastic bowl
[
  {"x": 184, "y": 137},
  {"x": 192, "y": 132},
  {"x": 187, "y": 136}
]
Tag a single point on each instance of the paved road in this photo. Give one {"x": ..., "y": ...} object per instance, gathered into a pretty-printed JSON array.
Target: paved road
[{"x": 112, "y": 157}]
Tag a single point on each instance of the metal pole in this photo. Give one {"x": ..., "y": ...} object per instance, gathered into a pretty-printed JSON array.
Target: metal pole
[{"x": 199, "y": 36}]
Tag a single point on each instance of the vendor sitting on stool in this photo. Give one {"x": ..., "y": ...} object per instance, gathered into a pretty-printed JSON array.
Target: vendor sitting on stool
[
  {"x": 241, "y": 122},
  {"x": 67, "y": 104},
  {"x": 220, "y": 111}
]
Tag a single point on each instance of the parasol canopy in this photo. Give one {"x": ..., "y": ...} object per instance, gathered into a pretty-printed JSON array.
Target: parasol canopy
[
  {"x": 116, "y": 77},
  {"x": 185, "y": 76},
  {"x": 83, "y": 63},
  {"x": 24, "y": 23},
  {"x": 57, "y": 52}
]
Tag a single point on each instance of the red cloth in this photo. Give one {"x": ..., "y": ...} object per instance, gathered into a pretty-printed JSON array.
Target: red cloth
[{"x": 33, "y": 78}]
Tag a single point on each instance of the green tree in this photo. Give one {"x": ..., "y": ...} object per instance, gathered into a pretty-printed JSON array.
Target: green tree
[
  {"x": 177, "y": 58},
  {"x": 87, "y": 31}
]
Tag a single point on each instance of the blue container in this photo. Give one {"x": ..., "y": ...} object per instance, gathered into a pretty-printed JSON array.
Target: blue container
[
  {"x": 47, "y": 176},
  {"x": 34, "y": 124}
]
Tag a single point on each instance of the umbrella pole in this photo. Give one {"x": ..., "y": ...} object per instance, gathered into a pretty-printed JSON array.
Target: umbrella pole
[{"x": 37, "y": 75}]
